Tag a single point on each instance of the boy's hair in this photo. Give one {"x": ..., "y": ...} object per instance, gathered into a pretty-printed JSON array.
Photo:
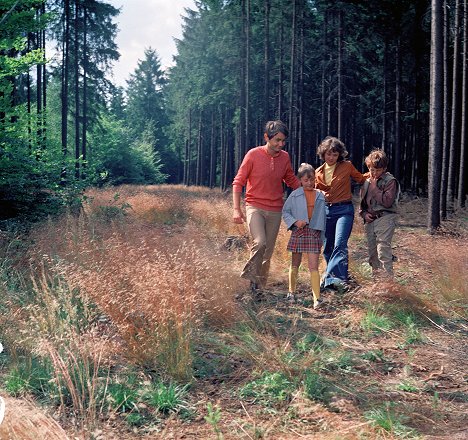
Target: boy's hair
[
  {"x": 274, "y": 127},
  {"x": 305, "y": 170},
  {"x": 331, "y": 143},
  {"x": 376, "y": 159}
]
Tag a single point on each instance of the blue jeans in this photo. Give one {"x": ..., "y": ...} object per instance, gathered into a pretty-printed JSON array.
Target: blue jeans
[{"x": 338, "y": 229}]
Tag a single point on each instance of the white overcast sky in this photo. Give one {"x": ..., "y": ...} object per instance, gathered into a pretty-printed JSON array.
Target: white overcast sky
[{"x": 143, "y": 24}]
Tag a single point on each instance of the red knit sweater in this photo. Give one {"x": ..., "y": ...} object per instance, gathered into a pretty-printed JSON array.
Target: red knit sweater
[{"x": 263, "y": 175}]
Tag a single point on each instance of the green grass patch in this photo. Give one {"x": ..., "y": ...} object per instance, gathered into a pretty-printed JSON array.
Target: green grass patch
[{"x": 270, "y": 389}]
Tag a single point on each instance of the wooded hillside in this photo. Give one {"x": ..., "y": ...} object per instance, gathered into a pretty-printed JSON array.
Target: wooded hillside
[{"x": 358, "y": 70}]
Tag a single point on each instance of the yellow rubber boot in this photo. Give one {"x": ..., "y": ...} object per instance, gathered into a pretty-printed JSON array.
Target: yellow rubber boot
[{"x": 315, "y": 285}]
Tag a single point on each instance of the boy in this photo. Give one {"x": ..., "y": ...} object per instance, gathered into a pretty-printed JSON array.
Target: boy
[{"x": 379, "y": 197}]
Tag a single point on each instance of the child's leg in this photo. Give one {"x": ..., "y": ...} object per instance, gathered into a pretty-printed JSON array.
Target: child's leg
[
  {"x": 293, "y": 271},
  {"x": 313, "y": 260},
  {"x": 372, "y": 246},
  {"x": 384, "y": 229}
]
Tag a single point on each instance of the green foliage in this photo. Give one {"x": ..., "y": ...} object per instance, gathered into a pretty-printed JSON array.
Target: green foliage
[
  {"x": 123, "y": 397},
  {"x": 408, "y": 387},
  {"x": 388, "y": 420},
  {"x": 317, "y": 387},
  {"x": 269, "y": 389},
  {"x": 374, "y": 322},
  {"x": 374, "y": 356},
  {"x": 121, "y": 159},
  {"x": 314, "y": 342},
  {"x": 213, "y": 418},
  {"x": 30, "y": 375},
  {"x": 167, "y": 398}
]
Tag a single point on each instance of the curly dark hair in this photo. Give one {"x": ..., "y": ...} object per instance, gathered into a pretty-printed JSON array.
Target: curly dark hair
[{"x": 331, "y": 143}]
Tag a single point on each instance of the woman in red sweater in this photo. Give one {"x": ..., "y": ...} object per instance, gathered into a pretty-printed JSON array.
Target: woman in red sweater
[{"x": 262, "y": 172}]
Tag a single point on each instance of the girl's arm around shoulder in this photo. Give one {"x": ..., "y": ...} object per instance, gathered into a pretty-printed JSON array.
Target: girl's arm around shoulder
[{"x": 356, "y": 175}]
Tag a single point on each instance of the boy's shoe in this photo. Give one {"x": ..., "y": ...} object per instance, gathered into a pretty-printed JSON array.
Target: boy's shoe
[
  {"x": 291, "y": 297},
  {"x": 318, "y": 304},
  {"x": 254, "y": 287}
]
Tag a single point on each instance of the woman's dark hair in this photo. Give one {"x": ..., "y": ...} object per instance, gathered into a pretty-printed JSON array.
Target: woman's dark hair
[{"x": 331, "y": 143}]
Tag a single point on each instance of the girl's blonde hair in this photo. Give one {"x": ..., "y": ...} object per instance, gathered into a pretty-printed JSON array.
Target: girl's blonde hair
[{"x": 305, "y": 169}]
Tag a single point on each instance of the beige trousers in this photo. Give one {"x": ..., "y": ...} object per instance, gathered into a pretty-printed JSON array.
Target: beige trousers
[
  {"x": 263, "y": 226},
  {"x": 379, "y": 243}
]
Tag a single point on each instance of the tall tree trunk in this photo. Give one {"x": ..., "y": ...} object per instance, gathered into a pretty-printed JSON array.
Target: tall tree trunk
[
  {"x": 44, "y": 83},
  {"x": 266, "y": 62},
  {"x": 65, "y": 79},
  {"x": 300, "y": 91},
  {"x": 339, "y": 74},
  {"x": 292, "y": 88},
  {"x": 213, "y": 157},
  {"x": 200, "y": 157},
  {"x": 323, "y": 124},
  {"x": 446, "y": 125},
  {"x": 39, "y": 82},
  {"x": 384, "y": 96},
  {"x": 464, "y": 111},
  {"x": 85, "y": 91},
  {"x": 280, "y": 73},
  {"x": 436, "y": 115},
  {"x": 397, "y": 147},
  {"x": 77, "y": 91},
  {"x": 455, "y": 121},
  {"x": 247, "y": 142}
]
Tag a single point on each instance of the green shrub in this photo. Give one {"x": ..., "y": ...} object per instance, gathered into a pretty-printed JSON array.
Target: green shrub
[{"x": 270, "y": 388}]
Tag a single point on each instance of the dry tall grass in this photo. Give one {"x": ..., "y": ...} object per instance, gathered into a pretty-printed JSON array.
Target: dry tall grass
[{"x": 153, "y": 266}]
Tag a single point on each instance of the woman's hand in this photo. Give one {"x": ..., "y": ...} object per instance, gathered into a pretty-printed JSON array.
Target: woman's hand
[{"x": 300, "y": 223}]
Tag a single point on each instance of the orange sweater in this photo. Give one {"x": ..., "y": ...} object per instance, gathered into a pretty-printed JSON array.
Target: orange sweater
[
  {"x": 340, "y": 188},
  {"x": 263, "y": 175}
]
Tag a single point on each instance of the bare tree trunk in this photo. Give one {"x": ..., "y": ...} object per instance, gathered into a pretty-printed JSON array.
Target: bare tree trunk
[
  {"x": 77, "y": 94},
  {"x": 455, "y": 122},
  {"x": 200, "y": 158},
  {"x": 213, "y": 157},
  {"x": 85, "y": 92},
  {"x": 396, "y": 147},
  {"x": 340, "y": 75},
  {"x": 384, "y": 97},
  {"x": 446, "y": 125},
  {"x": 436, "y": 116},
  {"x": 300, "y": 101},
  {"x": 65, "y": 78},
  {"x": 464, "y": 116},
  {"x": 280, "y": 74},
  {"x": 266, "y": 63},
  {"x": 247, "y": 141},
  {"x": 323, "y": 128},
  {"x": 292, "y": 88}
]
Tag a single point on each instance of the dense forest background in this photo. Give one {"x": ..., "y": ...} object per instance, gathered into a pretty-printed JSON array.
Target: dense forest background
[{"x": 358, "y": 70}]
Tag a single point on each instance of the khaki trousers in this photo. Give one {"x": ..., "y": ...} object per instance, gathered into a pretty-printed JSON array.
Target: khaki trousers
[
  {"x": 379, "y": 242},
  {"x": 263, "y": 226}
]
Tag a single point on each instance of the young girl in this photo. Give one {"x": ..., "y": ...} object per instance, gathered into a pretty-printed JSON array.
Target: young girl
[{"x": 304, "y": 214}]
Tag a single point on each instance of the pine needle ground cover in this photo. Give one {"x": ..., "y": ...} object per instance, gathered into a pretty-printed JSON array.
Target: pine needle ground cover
[{"x": 128, "y": 320}]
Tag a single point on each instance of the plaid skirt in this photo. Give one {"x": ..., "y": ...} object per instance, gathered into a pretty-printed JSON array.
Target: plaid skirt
[{"x": 305, "y": 240}]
